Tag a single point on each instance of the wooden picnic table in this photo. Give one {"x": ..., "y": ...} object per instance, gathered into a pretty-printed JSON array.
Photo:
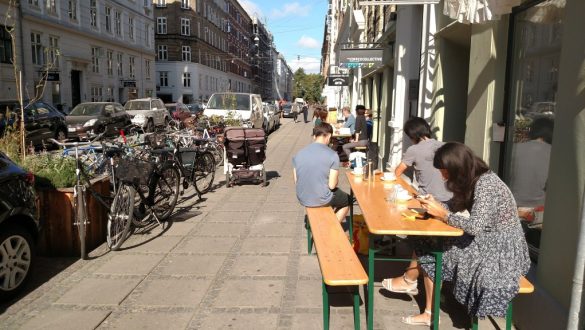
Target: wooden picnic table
[{"x": 385, "y": 218}]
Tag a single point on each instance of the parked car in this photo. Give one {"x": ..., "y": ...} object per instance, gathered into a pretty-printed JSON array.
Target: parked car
[
  {"x": 96, "y": 117},
  {"x": 19, "y": 227},
  {"x": 245, "y": 105},
  {"x": 541, "y": 109},
  {"x": 271, "y": 117},
  {"x": 287, "y": 110},
  {"x": 147, "y": 113},
  {"x": 178, "y": 111},
  {"x": 41, "y": 121}
]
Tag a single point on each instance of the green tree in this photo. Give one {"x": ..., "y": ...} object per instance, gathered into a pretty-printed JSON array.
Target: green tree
[{"x": 307, "y": 86}]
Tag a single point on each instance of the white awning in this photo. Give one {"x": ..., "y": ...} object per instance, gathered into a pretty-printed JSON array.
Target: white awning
[{"x": 478, "y": 11}]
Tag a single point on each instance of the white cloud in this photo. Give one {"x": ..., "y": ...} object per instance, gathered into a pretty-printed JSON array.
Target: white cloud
[
  {"x": 252, "y": 8},
  {"x": 309, "y": 64},
  {"x": 308, "y": 42},
  {"x": 291, "y": 9}
]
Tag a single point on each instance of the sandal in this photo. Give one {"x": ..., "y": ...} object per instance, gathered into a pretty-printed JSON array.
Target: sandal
[
  {"x": 410, "y": 321},
  {"x": 411, "y": 289}
]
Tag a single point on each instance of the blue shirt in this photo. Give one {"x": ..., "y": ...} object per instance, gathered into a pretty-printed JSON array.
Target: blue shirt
[
  {"x": 312, "y": 165},
  {"x": 350, "y": 122}
]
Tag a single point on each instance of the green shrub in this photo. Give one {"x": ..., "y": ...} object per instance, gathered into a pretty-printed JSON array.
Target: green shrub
[{"x": 51, "y": 170}]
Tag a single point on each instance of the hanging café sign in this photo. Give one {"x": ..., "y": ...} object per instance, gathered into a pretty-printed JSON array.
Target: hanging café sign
[
  {"x": 360, "y": 58},
  {"x": 338, "y": 80}
]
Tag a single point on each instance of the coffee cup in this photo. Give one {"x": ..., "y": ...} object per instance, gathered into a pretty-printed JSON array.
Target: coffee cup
[
  {"x": 389, "y": 176},
  {"x": 358, "y": 170},
  {"x": 403, "y": 195}
]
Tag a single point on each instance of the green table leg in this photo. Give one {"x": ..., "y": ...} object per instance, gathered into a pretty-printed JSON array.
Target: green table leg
[
  {"x": 370, "y": 302},
  {"x": 438, "y": 280},
  {"x": 356, "y": 309},
  {"x": 509, "y": 317},
  {"x": 325, "y": 308},
  {"x": 351, "y": 216},
  {"x": 474, "y": 323}
]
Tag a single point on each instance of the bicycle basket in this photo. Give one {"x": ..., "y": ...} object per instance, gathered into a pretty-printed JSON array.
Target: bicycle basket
[{"x": 134, "y": 171}]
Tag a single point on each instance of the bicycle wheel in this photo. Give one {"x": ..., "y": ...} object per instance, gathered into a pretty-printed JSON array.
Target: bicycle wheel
[
  {"x": 120, "y": 216},
  {"x": 79, "y": 207},
  {"x": 166, "y": 191},
  {"x": 204, "y": 169}
]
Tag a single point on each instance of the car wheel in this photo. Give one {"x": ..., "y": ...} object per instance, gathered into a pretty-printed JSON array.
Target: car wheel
[
  {"x": 150, "y": 126},
  {"x": 61, "y": 135},
  {"x": 17, "y": 251}
]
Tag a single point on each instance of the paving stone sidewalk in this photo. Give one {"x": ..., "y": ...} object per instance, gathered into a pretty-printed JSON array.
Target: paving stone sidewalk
[{"x": 236, "y": 260}]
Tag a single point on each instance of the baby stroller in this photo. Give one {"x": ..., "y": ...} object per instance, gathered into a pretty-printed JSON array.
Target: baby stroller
[{"x": 245, "y": 152}]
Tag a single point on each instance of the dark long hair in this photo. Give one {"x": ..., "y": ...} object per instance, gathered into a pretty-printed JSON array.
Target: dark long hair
[
  {"x": 417, "y": 128},
  {"x": 464, "y": 169}
]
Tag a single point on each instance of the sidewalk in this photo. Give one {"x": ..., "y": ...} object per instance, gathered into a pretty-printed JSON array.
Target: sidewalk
[{"x": 237, "y": 260}]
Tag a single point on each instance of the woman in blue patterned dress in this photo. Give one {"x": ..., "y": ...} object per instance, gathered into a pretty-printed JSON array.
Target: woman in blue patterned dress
[{"x": 485, "y": 264}]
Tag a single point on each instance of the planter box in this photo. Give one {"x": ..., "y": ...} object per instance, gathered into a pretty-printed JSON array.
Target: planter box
[{"x": 59, "y": 236}]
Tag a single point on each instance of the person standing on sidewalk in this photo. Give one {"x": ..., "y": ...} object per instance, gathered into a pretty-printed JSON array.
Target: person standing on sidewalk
[
  {"x": 305, "y": 109},
  {"x": 316, "y": 174}
]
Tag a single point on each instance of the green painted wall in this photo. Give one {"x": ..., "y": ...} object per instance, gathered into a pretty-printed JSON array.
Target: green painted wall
[{"x": 567, "y": 164}]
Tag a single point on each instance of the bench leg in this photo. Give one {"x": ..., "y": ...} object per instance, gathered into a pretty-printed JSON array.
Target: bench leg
[
  {"x": 509, "y": 317},
  {"x": 370, "y": 301},
  {"x": 474, "y": 323},
  {"x": 309, "y": 236},
  {"x": 356, "y": 309},
  {"x": 325, "y": 308}
]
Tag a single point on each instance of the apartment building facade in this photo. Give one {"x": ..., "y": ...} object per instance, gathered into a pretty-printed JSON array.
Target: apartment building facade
[
  {"x": 201, "y": 49},
  {"x": 92, "y": 50}
]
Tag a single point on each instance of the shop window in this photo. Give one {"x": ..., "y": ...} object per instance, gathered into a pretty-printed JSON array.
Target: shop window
[
  {"x": 5, "y": 45},
  {"x": 532, "y": 108}
]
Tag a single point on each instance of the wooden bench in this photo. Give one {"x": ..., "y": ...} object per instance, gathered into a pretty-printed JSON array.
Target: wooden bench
[
  {"x": 339, "y": 264},
  {"x": 525, "y": 287}
]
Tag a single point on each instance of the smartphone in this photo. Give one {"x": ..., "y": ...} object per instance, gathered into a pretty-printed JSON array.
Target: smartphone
[{"x": 421, "y": 213}]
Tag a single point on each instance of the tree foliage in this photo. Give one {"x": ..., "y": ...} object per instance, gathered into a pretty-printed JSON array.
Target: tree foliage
[{"x": 307, "y": 86}]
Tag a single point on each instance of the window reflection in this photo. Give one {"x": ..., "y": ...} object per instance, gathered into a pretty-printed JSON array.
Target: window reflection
[{"x": 536, "y": 57}]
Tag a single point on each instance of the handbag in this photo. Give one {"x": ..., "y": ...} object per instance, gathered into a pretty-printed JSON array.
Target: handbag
[{"x": 361, "y": 235}]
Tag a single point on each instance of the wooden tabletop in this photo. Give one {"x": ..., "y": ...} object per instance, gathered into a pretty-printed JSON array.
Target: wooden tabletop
[
  {"x": 385, "y": 218},
  {"x": 338, "y": 135}
]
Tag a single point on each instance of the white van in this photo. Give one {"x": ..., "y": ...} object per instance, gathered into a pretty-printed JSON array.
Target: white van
[{"x": 245, "y": 105}]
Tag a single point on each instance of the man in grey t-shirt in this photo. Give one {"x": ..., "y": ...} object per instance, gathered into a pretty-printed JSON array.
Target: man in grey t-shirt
[
  {"x": 316, "y": 173},
  {"x": 420, "y": 156}
]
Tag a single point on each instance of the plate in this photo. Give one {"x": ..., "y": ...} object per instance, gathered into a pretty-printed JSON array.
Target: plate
[
  {"x": 404, "y": 199},
  {"x": 382, "y": 178}
]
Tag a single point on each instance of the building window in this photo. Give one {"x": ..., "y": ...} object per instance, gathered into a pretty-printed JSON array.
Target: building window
[
  {"x": 37, "y": 48},
  {"x": 72, "y": 10},
  {"x": 533, "y": 88},
  {"x": 131, "y": 28},
  {"x": 54, "y": 51},
  {"x": 95, "y": 60},
  {"x": 120, "y": 62},
  {"x": 5, "y": 45},
  {"x": 96, "y": 93},
  {"x": 118, "y": 23},
  {"x": 186, "y": 79},
  {"x": 161, "y": 3},
  {"x": 161, "y": 25},
  {"x": 185, "y": 27},
  {"x": 147, "y": 35},
  {"x": 186, "y": 53},
  {"x": 51, "y": 7},
  {"x": 93, "y": 13},
  {"x": 163, "y": 79},
  {"x": 33, "y": 3},
  {"x": 147, "y": 69},
  {"x": 108, "y": 18},
  {"x": 131, "y": 65},
  {"x": 163, "y": 53},
  {"x": 110, "y": 62},
  {"x": 185, "y": 4}
]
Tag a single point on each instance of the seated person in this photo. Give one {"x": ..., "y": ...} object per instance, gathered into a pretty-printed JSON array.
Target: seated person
[
  {"x": 316, "y": 174},
  {"x": 349, "y": 120},
  {"x": 361, "y": 138}
]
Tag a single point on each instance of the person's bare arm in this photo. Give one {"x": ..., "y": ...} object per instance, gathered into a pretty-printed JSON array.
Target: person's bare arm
[
  {"x": 295, "y": 175},
  {"x": 400, "y": 169},
  {"x": 333, "y": 179}
]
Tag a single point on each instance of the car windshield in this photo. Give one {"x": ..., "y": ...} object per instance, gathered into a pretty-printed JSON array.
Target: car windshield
[
  {"x": 229, "y": 102},
  {"x": 87, "y": 109},
  {"x": 287, "y": 106},
  {"x": 137, "y": 105},
  {"x": 171, "y": 108}
]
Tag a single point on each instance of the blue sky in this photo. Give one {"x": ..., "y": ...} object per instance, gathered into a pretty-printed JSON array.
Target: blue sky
[{"x": 297, "y": 26}]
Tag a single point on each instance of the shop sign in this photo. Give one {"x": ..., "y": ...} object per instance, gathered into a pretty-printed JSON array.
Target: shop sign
[
  {"x": 53, "y": 76},
  {"x": 129, "y": 83},
  {"x": 361, "y": 58},
  {"x": 338, "y": 80}
]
